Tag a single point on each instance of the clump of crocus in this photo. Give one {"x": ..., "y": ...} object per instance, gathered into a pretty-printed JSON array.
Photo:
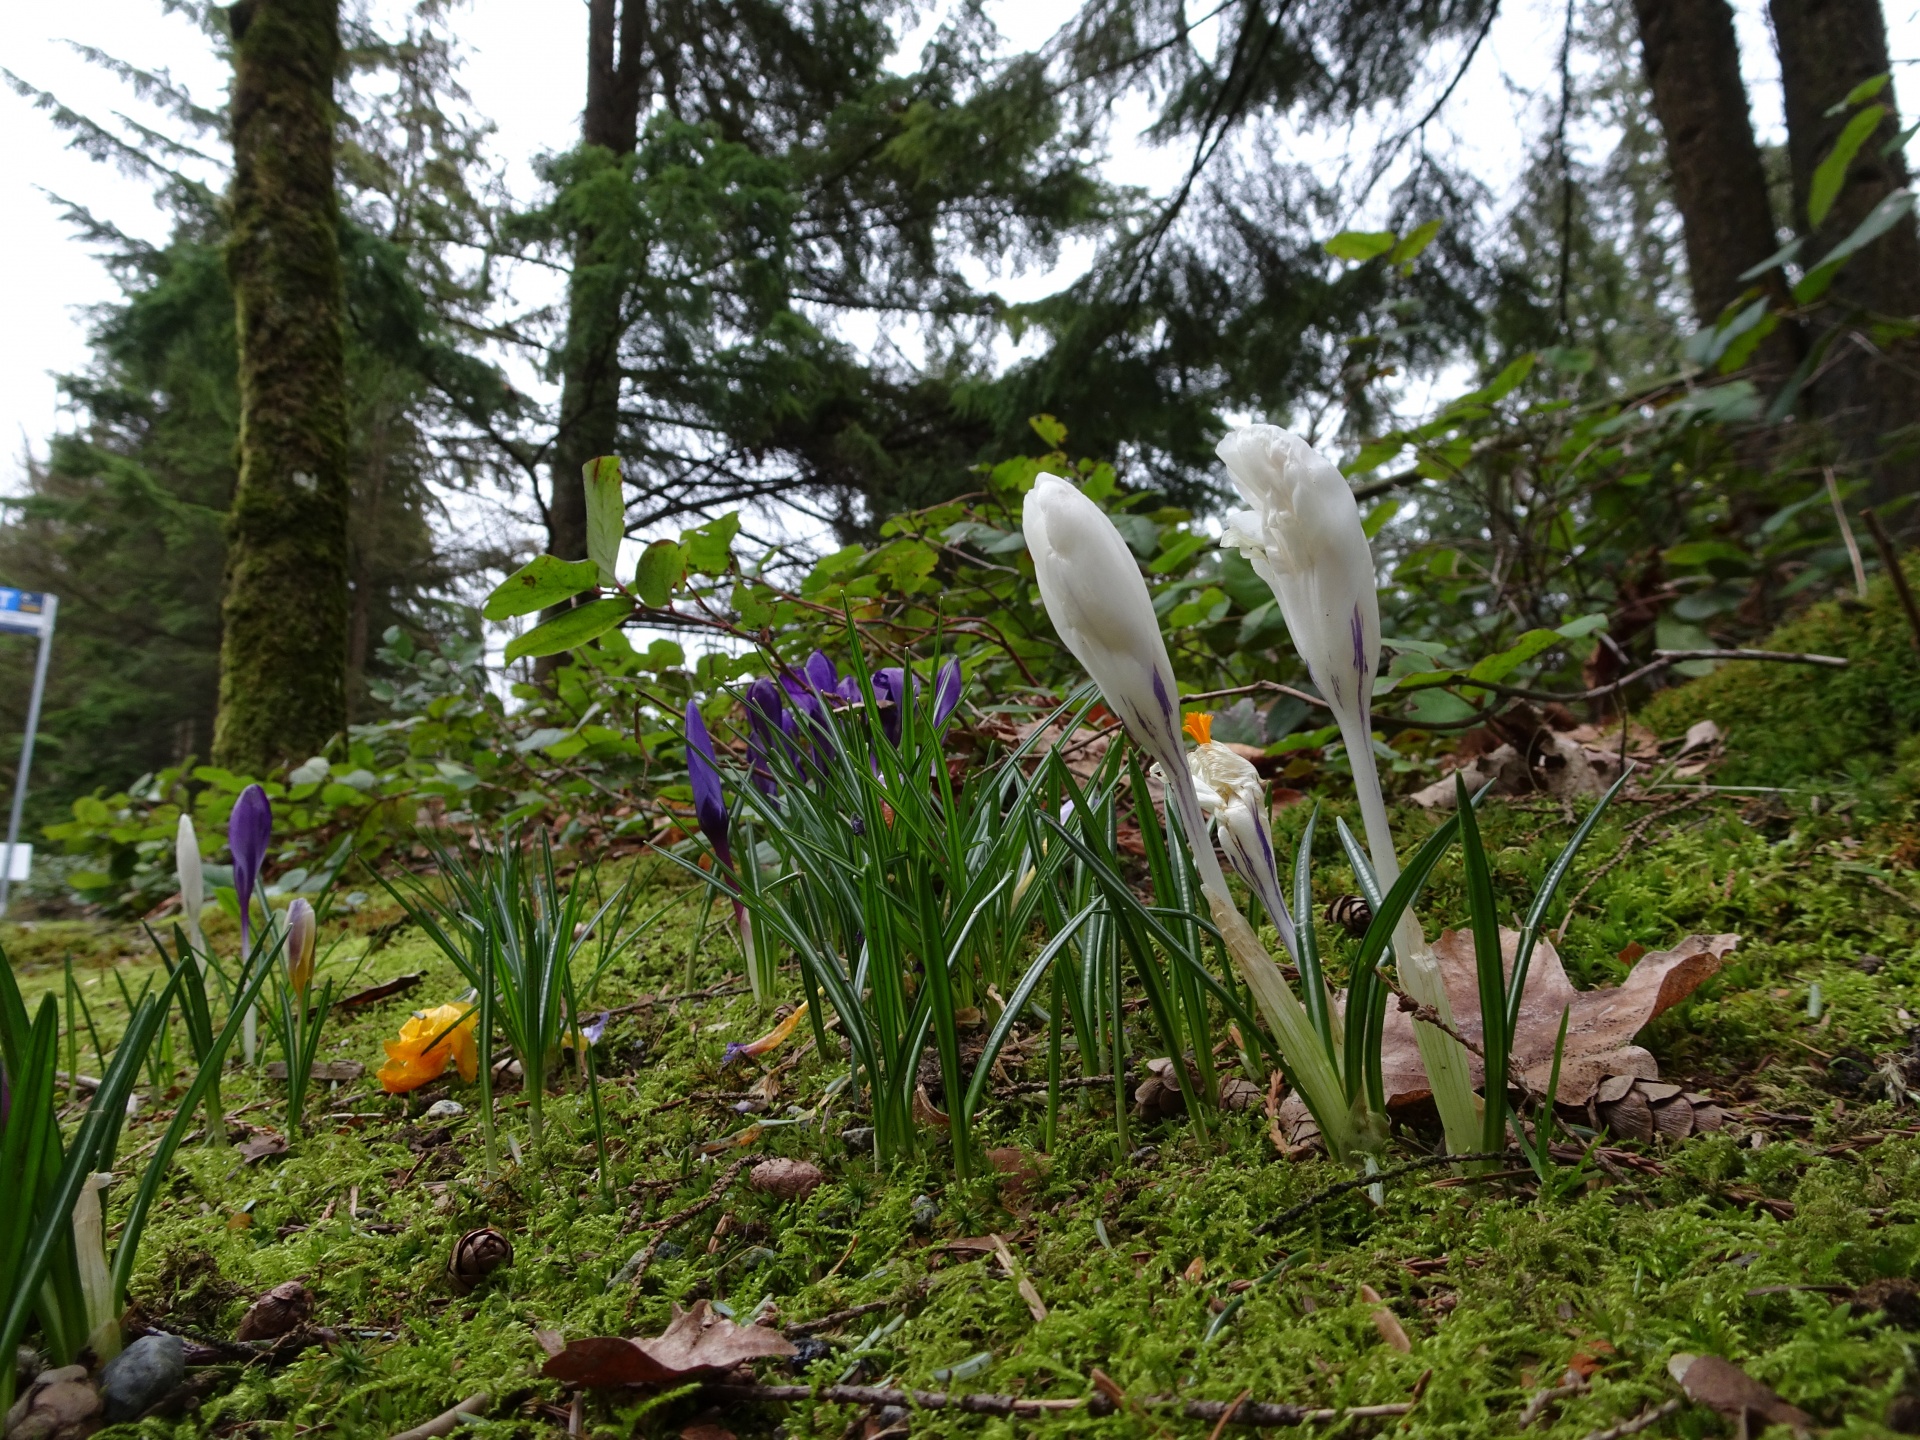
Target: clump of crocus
[
  {"x": 429, "y": 1042},
  {"x": 1098, "y": 602},
  {"x": 249, "y": 830},
  {"x": 1303, "y": 535},
  {"x": 1232, "y": 794}
]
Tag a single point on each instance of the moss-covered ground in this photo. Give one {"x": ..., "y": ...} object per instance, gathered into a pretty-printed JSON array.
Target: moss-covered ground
[{"x": 1746, "y": 1243}]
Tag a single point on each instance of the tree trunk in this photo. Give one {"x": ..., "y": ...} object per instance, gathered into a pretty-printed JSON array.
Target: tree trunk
[
  {"x": 1692, "y": 61},
  {"x": 1871, "y": 387},
  {"x": 590, "y": 362},
  {"x": 283, "y": 646}
]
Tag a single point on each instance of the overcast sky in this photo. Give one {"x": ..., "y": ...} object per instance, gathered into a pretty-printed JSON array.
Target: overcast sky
[{"x": 524, "y": 69}]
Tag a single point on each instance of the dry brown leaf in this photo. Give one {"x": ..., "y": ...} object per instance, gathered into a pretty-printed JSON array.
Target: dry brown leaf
[
  {"x": 261, "y": 1145},
  {"x": 698, "y": 1342},
  {"x": 1600, "y": 1029},
  {"x": 1035, "y": 1307},
  {"x": 1386, "y": 1322},
  {"x": 706, "y": 1431},
  {"x": 1723, "y": 1386},
  {"x": 1196, "y": 1270}
]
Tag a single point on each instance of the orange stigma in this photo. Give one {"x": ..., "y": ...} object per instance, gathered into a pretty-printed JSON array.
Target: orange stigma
[{"x": 1200, "y": 726}]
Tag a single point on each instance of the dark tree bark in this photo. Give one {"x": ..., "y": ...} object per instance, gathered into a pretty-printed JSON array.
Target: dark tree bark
[
  {"x": 590, "y": 363},
  {"x": 1870, "y": 389},
  {"x": 284, "y": 612},
  {"x": 1692, "y": 62}
]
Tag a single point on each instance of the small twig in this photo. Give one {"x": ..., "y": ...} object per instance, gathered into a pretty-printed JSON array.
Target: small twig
[
  {"x": 635, "y": 1270},
  {"x": 1039, "y": 1087},
  {"x": 1890, "y": 558},
  {"x": 1537, "y": 1406},
  {"x": 447, "y": 1421},
  {"x": 1884, "y": 888},
  {"x": 1241, "y": 1411},
  {"x": 1645, "y": 1420},
  {"x": 1345, "y": 1187},
  {"x": 838, "y": 1317},
  {"x": 1846, "y": 534},
  {"x": 1635, "y": 833}
]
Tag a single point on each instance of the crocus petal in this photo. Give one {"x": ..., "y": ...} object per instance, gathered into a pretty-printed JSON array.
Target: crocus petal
[
  {"x": 772, "y": 1040},
  {"x": 186, "y": 865},
  {"x": 946, "y": 692},
  {"x": 1304, "y": 537},
  {"x": 249, "y": 830},
  {"x": 1098, "y": 603},
  {"x": 300, "y": 943},
  {"x": 709, "y": 800},
  {"x": 766, "y": 714},
  {"x": 428, "y": 1043},
  {"x": 890, "y": 691},
  {"x": 821, "y": 672}
]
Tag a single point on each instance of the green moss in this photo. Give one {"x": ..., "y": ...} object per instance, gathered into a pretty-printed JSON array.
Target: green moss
[
  {"x": 1788, "y": 723},
  {"x": 1497, "y": 1292}
]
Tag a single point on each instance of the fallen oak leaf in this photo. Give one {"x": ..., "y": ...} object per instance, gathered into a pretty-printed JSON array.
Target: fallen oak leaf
[
  {"x": 1601, "y": 1022},
  {"x": 696, "y": 1343},
  {"x": 1721, "y": 1385}
]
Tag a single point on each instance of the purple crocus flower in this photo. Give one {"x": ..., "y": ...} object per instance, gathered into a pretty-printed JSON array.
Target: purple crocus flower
[
  {"x": 766, "y": 713},
  {"x": 709, "y": 800},
  {"x": 249, "y": 829},
  {"x": 595, "y": 1028},
  {"x": 890, "y": 692},
  {"x": 946, "y": 692},
  {"x": 821, "y": 673}
]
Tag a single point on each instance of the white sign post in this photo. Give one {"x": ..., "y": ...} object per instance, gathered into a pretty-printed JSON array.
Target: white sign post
[{"x": 25, "y": 612}]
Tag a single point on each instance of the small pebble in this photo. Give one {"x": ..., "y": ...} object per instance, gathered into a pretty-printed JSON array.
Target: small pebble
[
  {"x": 807, "y": 1350},
  {"x": 858, "y": 1137},
  {"x": 445, "y": 1110},
  {"x": 142, "y": 1374},
  {"x": 925, "y": 1212}
]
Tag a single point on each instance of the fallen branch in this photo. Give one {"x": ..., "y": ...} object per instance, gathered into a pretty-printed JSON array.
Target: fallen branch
[
  {"x": 838, "y": 1317},
  {"x": 447, "y": 1421},
  {"x": 1237, "y": 1412}
]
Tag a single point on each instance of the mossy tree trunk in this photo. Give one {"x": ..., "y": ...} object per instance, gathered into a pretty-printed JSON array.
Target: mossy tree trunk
[{"x": 284, "y": 613}]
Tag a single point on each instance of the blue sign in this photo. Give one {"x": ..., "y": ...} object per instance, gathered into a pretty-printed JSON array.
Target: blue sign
[{"x": 23, "y": 612}]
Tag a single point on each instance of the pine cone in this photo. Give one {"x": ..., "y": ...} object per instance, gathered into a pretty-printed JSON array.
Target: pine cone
[
  {"x": 283, "y": 1309},
  {"x": 788, "y": 1179},
  {"x": 1643, "y": 1109},
  {"x": 477, "y": 1255}
]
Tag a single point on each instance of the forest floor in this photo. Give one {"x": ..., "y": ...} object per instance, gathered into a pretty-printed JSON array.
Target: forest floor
[{"x": 1466, "y": 1301}]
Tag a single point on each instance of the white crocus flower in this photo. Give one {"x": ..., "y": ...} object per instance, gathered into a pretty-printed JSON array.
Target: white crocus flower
[
  {"x": 193, "y": 886},
  {"x": 1303, "y": 536},
  {"x": 1098, "y": 602},
  {"x": 1234, "y": 797}
]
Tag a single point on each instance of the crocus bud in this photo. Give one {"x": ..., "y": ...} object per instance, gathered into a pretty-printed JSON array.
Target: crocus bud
[
  {"x": 249, "y": 829},
  {"x": 193, "y": 885},
  {"x": 1232, "y": 794},
  {"x": 709, "y": 800},
  {"x": 1303, "y": 536},
  {"x": 1099, "y": 604},
  {"x": 300, "y": 938}
]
